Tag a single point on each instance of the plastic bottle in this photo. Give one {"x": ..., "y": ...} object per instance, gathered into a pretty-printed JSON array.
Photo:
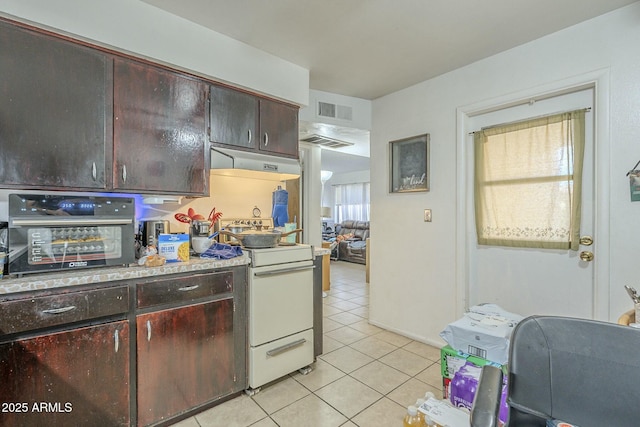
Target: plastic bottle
[
  {"x": 412, "y": 419},
  {"x": 428, "y": 422},
  {"x": 419, "y": 403}
]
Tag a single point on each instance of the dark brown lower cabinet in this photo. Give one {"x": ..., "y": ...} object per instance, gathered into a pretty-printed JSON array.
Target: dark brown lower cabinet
[
  {"x": 186, "y": 357},
  {"x": 77, "y": 377}
]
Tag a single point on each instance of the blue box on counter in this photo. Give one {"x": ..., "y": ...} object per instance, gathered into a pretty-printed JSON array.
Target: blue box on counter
[{"x": 174, "y": 247}]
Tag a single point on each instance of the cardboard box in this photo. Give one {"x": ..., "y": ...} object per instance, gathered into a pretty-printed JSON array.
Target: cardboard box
[
  {"x": 452, "y": 360},
  {"x": 174, "y": 247},
  {"x": 446, "y": 388},
  {"x": 484, "y": 331}
]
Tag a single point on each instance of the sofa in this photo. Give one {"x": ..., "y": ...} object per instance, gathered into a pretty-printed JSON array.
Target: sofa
[{"x": 352, "y": 241}]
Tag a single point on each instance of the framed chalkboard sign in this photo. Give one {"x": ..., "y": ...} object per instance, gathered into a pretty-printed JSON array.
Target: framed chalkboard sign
[{"x": 409, "y": 164}]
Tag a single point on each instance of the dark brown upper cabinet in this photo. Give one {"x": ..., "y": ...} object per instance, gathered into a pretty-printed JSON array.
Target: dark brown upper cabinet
[
  {"x": 55, "y": 112},
  {"x": 245, "y": 121},
  {"x": 159, "y": 130},
  {"x": 78, "y": 117},
  {"x": 234, "y": 118},
  {"x": 278, "y": 128}
]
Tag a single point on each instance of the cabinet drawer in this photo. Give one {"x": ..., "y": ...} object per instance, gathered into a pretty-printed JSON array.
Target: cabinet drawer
[
  {"x": 184, "y": 289},
  {"x": 41, "y": 312},
  {"x": 278, "y": 358}
]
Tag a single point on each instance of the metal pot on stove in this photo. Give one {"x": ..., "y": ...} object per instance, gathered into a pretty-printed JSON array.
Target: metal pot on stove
[{"x": 259, "y": 239}]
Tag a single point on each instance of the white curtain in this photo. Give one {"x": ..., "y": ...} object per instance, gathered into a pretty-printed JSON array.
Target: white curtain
[{"x": 352, "y": 202}]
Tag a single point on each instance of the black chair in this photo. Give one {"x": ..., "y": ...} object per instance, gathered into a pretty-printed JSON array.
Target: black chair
[{"x": 583, "y": 372}]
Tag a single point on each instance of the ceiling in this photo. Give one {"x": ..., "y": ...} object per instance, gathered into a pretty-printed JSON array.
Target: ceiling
[
  {"x": 339, "y": 162},
  {"x": 370, "y": 48}
]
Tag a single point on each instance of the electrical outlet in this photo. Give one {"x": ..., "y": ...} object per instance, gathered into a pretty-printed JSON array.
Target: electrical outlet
[{"x": 427, "y": 215}]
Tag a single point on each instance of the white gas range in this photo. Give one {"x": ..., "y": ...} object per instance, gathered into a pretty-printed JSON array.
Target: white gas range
[{"x": 280, "y": 293}]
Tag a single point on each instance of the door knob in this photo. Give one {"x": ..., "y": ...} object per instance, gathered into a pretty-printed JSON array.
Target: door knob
[
  {"x": 586, "y": 240},
  {"x": 586, "y": 256}
]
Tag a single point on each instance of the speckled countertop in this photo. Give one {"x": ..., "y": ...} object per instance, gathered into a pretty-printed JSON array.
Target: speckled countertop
[
  {"x": 87, "y": 276},
  {"x": 34, "y": 282},
  {"x": 321, "y": 251}
]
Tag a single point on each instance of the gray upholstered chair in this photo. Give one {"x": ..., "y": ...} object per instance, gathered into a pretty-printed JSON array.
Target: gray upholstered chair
[{"x": 583, "y": 372}]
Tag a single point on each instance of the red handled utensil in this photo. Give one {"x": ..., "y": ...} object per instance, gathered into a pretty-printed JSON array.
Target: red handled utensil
[{"x": 182, "y": 218}]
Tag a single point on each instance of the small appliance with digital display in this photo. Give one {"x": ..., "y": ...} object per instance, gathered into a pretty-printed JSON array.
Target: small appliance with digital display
[{"x": 61, "y": 232}]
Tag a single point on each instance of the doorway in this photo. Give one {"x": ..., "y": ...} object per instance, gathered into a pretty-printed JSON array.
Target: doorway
[{"x": 536, "y": 281}]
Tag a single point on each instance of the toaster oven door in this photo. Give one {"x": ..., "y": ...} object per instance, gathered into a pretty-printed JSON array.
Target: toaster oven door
[{"x": 39, "y": 246}]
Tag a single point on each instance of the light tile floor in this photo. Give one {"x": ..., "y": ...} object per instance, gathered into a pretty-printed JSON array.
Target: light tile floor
[{"x": 366, "y": 376}]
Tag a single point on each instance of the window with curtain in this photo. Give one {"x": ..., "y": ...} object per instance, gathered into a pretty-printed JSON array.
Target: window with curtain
[
  {"x": 352, "y": 202},
  {"x": 528, "y": 181}
]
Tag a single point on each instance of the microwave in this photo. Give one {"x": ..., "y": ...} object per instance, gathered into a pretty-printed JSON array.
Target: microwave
[{"x": 67, "y": 232}]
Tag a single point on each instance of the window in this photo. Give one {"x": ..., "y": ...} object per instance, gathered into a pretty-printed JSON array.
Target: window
[
  {"x": 352, "y": 202},
  {"x": 528, "y": 182}
]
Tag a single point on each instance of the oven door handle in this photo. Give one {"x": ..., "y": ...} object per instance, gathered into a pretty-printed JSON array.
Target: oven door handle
[
  {"x": 276, "y": 351},
  {"x": 69, "y": 222},
  {"x": 282, "y": 271}
]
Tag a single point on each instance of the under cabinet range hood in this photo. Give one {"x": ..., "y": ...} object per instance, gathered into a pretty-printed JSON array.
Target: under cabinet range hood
[{"x": 246, "y": 164}]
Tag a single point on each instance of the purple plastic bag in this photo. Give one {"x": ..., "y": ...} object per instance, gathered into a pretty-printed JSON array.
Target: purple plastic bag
[{"x": 463, "y": 389}]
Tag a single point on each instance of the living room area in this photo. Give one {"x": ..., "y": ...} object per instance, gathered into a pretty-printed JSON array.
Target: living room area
[
  {"x": 340, "y": 127},
  {"x": 345, "y": 201},
  {"x": 345, "y": 223},
  {"x": 348, "y": 242}
]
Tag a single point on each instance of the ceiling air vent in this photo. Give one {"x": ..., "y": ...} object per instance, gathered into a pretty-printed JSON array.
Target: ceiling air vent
[
  {"x": 334, "y": 111},
  {"x": 326, "y": 141}
]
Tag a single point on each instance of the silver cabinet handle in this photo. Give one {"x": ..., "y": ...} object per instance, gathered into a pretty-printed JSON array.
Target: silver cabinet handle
[
  {"x": 276, "y": 351},
  {"x": 124, "y": 173},
  {"x": 116, "y": 338},
  {"x": 148, "y": 330},
  {"x": 188, "y": 288},
  {"x": 266, "y": 139},
  {"x": 94, "y": 171},
  {"x": 249, "y": 135},
  {"x": 59, "y": 310}
]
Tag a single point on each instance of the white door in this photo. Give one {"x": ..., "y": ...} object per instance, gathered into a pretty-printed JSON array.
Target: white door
[{"x": 535, "y": 281}]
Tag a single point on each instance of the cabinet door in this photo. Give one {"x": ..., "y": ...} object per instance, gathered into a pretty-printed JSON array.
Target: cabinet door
[
  {"x": 233, "y": 118},
  {"x": 185, "y": 358},
  {"x": 159, "y": 130},
  {"x": 278, "y": 128},
  {"x": 53, "y": 112},
  {"x": 78, "y": 377}
]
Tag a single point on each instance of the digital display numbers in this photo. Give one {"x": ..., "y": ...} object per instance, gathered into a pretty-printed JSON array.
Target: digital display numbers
[{"x": 82, "y": 206}]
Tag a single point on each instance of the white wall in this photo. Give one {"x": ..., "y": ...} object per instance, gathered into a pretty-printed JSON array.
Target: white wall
[
  {"x": 146, "y": 31},
  {"x": 235, "y": 197},
  {"x": 310, "y": 155},
  {"x": 414, "y": 267}
]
